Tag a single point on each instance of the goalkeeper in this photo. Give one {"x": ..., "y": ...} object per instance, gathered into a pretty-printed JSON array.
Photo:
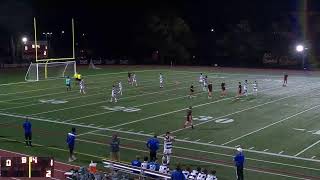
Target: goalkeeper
[
  {"x": 68, "y": 83},
  {"x": 77, "y": 77}
]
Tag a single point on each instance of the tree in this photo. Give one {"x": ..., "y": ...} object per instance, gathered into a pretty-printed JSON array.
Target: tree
[
  {"x": 15, "y": 16},
  {"x": 172, "y": 37}
]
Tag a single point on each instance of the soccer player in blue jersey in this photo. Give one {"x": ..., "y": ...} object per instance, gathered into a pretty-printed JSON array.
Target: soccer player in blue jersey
[
  {"x": 239, "y": 160},
  {"x": 68, "y": 83},
  {"x": 27, "y": 132},
  {"x": 71, "y": 139}
]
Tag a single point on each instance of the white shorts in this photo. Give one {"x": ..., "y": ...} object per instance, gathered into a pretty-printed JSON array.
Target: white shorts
[
  {"x": 167, "y": 151},
  {"x": 200, "y": 81},
  {"x": 81, "y": 87},
  {"x": 255, "y": 90},
  {"x": 134, "y": 80},
  {"x": 161, "y": 81}
]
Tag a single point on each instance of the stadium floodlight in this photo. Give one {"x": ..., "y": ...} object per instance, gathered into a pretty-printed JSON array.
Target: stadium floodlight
[
  {"x": 24, "y": 40},
  {"x": 299, "y": 48}
]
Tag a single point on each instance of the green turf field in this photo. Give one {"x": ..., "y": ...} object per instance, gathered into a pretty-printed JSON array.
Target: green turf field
[{"x": 279, "y": 129}]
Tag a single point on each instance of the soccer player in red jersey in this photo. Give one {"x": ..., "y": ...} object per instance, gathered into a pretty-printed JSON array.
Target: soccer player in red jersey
[
  {"x": 239, "y": 90},
  {"x": 285, "y": 79},
  {"x": 223, "y": 89},
  {"x": 210, "y": 90},
  {"x": 189, "y": 118}
]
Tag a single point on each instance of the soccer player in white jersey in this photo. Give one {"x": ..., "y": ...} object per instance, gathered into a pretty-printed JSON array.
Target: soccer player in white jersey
[
  {"x": 167, "y": 146},
  {"x": 164, "y": 167},
  {"x": 201, "y": 79},
  {"x": 202, "y": 175},
  {"x": 82, "y": 87},
  {"x": 161, "y": 80},
  {"x": 245, "y": 88},
  {"x": 255, "y": 88},
  {"x": 134, "y": 79},
  {"x": 212, "y": 175},
  {"x": 113, "y": 94},
  {"x": 205, "y": 83},
  {"x": 120, "y": 87}
]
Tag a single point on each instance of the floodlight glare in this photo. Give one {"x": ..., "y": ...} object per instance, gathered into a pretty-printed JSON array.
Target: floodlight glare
[
  {"x": 299, "y": 48},
  {"x": 24, "y": 39}
]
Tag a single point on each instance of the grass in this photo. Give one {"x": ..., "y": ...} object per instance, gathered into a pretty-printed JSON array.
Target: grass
[{"x": 277, "y": 129}]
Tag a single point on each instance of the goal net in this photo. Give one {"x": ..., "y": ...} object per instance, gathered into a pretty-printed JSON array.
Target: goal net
[{"x": 50, "y": 70}]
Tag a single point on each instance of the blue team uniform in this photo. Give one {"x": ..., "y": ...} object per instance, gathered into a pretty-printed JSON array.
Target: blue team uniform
[
  {"x": 71, "y": 138},
  {"x": 178, "y": 175},
  {"x": 239, "y": 160},
  {"x": 136, "y": 163},
  {"x": 27, "y": 132}
]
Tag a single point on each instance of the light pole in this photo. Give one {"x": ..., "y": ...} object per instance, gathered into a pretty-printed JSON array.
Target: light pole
[{"x": 300, "y": 49}]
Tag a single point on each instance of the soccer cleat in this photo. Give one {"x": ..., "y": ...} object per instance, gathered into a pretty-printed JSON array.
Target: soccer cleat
[{"x": 70, "y": 160}]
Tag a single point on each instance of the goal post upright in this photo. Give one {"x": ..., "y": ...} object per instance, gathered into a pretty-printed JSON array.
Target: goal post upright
[
  {"x": 35, "y": 37},
  {"x": 56, "y": 59},
  {"x": 52, "y": 67}
]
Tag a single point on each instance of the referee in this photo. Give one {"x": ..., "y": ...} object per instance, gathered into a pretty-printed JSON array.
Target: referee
[
  {"x": 239, "y": 162},
  {"x": 27, "y": 132}
]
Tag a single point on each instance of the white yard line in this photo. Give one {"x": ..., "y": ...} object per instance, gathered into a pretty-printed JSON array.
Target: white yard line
[
  {"x": 211, "y": 152},
  {"x": 145, "y": 135},
  {"x": 304, "y": 150},
  {"x": 102, "y": 74},
  {"x": 195, "y": 106},
  {"x": 77, "y": 96},
  {"x": 280, "y": 152},
  {"x": 202, "y": 161},
  {"x": 240, "y": 111},
  {"x": 270, "y": 125},
  {"x": 106, "y": 101},
  {"x": 142, "y": 105},
  {"x": 73, "y": 96}
]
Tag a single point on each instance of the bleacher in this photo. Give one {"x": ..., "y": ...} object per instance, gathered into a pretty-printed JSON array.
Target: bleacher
[{"x": 129, "y": 172}]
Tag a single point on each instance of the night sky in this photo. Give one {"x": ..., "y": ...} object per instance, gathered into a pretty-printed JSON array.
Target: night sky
[
  {"x": 110, "y": 23},
  {"x": 121, "y": 15}
]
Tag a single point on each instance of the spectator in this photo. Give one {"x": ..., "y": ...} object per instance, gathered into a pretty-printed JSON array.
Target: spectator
[
  {"x": 212, "y": 175},
  {"x": 136, "y": 163},
  {"x": 153, "y": 145},
  {"x": 144, "y": 164},
  {"x": 164, "y": 167},
  {"x": 186, "y": 172},
  {"x": 202, "y": 175},
  {"x": 27, "y": 132},
  {"x": 115, "y": 148},
  {"x": 177, "y": 174},
  {"x": 153, "y": 165},
  {"x": 71, "y": 138},
  {"x": 239, "y": 163}
]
